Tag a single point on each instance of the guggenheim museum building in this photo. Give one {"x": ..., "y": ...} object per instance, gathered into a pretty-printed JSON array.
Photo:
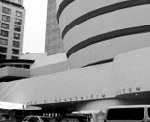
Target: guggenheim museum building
[{"x": 106, "y": 60}]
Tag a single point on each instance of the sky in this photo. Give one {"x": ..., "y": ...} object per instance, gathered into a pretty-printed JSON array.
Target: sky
[{"x": 35, "y": 26}]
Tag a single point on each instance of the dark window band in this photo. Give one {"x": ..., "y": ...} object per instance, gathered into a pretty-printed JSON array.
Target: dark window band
[
  {"x": 104, "y": 10},
  {"x": 107, "y": 36},
  {"x": 100, "y": 62},
  {"x": 62, "y": 6}
]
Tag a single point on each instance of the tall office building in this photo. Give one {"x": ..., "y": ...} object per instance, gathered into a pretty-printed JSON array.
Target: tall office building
[
  {"x": 12, "y": 16},
  {"x": 53, "y": 42}
]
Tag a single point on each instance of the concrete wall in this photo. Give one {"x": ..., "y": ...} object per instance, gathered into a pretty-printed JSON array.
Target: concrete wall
[
  {"x": 49, "y": 69},
  {"x": 46, "y": 64},
  {"x": 12, "y": 71},
  {"x": 128, "y": 71},
  {"x": 41, "y": 59},
  {"x": 102, "y": 105},
  {"x": 132, "y": 70},
  {"x": 98, "y": 30},
  {"x": 66, "y": 85}
]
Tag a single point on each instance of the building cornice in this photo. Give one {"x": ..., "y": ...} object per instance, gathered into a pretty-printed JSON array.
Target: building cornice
[{"x": 14, "y": 4}]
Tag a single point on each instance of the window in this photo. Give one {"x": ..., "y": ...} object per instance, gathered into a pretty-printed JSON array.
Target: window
[
  {"x": 3, "y": 41},
  {"x": 18, "y": 21},
  {"x": 16, "y": 36},
  {"x": 4, "y": 25},
  {"x": 14, "y": 57},
  {"x": 148, "y": 112},
  {"x": 17, "y": 28},
  {"x": 15, "y": 51},
  {"x": 5, "y": 18},
  {"x": 125, "y": 114},
  {"x": 18, "y": 65},
  {"x": 6, "y": 10},
  {"x": 16, "y": 44},
  {"x": 26, "y": 66},
  {"x": 19, "y": 14},
  {"x": 4, "y": 33},
  {"x": 3, "y": 49},
  {"x": 2, "y": 56},
  {"x": 1, "y": 66}
]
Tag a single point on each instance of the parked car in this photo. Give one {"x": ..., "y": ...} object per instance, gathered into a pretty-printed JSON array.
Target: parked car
[
  {"x": 33, "y": 118},
  {"x": 128, "y": 113}
]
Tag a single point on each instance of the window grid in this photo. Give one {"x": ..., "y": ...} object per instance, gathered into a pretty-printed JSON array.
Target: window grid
[
  {"x": 3, "y": 49},
  {"x": 2, "y": 56},
  {"x": 5, "y": 26},
  {"x": 17, "y": 28},
  {"x": 18, "y": 21},
  {"x": 14, "y": 57},
  {"x": 6, "y": 18},
  {"x": 6, "y": 10},
  {"x": 3, "y": 41},
  {"x": 16, "y": 36},
  {"x": 16, "y": 44},
  {"x": 15, "y": 51},
  {"x": 19, "y": 14},
  {"x": 4, "y": 33}
]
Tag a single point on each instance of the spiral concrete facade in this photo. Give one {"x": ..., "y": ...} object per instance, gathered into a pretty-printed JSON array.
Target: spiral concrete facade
[{"x": 97, "y": 30}]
